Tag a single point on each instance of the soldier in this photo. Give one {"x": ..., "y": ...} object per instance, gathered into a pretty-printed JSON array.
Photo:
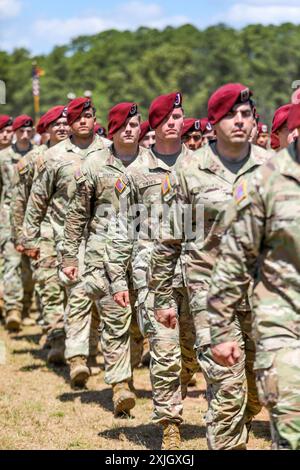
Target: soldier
[
  {"x": 93, "y": 205},
  {"x": 262, "y": 243},
  {"x": 206, "y": 186},
  {"x": 280, "y": 128},
  {"x": 51, "y": 293},
  {"x": 53, "y": 187},
  {"x": 6, "y": 131},
  {"x": 6, "y": 135},
  {"x": 147, "y": 137},
  {"x": 100, "y": 130},
  {"x": 173, "y": 360},
  {"x": 17, "y": 278},
  {"x": 192, "y": 134},
  {"x": 262, "y": 139}
]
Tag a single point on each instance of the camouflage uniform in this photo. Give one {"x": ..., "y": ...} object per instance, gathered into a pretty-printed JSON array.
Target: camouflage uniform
[
  {"x": 54, "y": 186},
  {"x": 262, "y": 242},
  {"x": 173, "y": 361},
  {"x": 45, "y": 270},
  {"x": 93, "y": 205},
  {"x": 205, "y": 187},
  {"x": 17, "y": 275}
]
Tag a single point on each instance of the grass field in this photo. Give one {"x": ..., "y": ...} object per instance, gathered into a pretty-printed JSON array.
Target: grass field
[{"x": 39, "y": 410}]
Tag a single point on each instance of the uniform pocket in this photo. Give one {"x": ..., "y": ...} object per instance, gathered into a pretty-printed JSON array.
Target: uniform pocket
[
  {"x": 266, "y": 378},
  {"x": 96, "y": 284}
]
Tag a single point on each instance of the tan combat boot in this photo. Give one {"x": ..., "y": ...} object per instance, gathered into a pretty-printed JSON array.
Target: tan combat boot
[
  {"x": 93, "y": 365},
  {"x": 56, "y": 355},
  {"x": 13, "y": 320},
  {"x": 123, "y": 399},
  {"x": 171, "y": 437},
  {"x": 79, "y": 371}
]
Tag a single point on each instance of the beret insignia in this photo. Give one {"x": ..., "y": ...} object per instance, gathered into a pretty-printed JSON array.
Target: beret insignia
[
  {"x": 87, "y": 105},
  {"x": 133, "y": 110},
  {"x": 245, "y": 95},
  {"x": 264, "y": 128},
  {"x": 197, "y": 125},
  {"x": 177, "y": 100},
  {"x": 28, "y": 124},
  {"x": 209, "y": 127},
  {"x": 65, "y": 112}
]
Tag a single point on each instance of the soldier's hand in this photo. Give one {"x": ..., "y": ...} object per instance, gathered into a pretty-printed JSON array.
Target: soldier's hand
[
  {"x": 71, "y": 272},
  {"x": 20, "y": 248},
  {"x": 122, "y": 298},
  {"x": 33, "y": 253},
  {"x": 166, "y": 317},
  {"x": 227, "y": 354}
]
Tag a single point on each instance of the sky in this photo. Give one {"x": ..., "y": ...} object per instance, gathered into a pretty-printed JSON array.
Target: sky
[{"x": 39, "y": 26}]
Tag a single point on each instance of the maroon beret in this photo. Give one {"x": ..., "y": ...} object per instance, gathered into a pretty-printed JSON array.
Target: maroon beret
[
  {"x": 294, "y": 117},
  {"x": 280, "y": 117},
  {"x": 145, "y": 128},
  {"x": 118, "y": 115},
  {"x": 191, "y": 125},
  {"x": 50, "y": 116},
  {"x": 224, "y": 98},
  {"x": 162, "y": 106},
  {"x": 100, "y": 130},
  {"x": 275, "y": 142},
  {"x": 5, "y": 121},
  {"x": 76, "y": 108},
  {"x": 262, "y": 128},
  {"x": 22, "y": 121}
]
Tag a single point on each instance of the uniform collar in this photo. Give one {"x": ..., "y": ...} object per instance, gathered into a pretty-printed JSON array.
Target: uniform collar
[
  {"x": 115, "y": 162},
  {"x": 96, "y": 144},
  {"x": 156, "y": 163}
]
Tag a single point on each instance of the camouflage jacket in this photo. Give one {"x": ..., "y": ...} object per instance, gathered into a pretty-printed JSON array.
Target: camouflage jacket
[
  {"x": 143, "y": 196},
  {"x": 93, "y": 205},
  {"x": 9, "y": 158},
  {"x": 262, "y": 234},
  {"x": 202, "y": 192},
  {"x": 25, "y": 170},
  {"x": 54, "y": 186}
]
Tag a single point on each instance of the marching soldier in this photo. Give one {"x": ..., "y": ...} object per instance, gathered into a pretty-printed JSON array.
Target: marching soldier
[
  {"x": 147, "y": 137},
  {"x": 192, "y": 134}
]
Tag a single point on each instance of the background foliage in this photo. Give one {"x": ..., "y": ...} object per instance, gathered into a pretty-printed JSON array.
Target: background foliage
[{"x": 137, "y": 66}]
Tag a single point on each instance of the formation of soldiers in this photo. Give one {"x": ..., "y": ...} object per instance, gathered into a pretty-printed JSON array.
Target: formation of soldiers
[{"x": 181, "y": 231}]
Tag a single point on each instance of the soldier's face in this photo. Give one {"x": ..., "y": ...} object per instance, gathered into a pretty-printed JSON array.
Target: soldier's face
[
  {"x": 193, "y": 140},
  {"x": 262, "y": 140},
  {"x": 237, "y": 125},
  {"x": 148, "y": 140},
  {"x": 24, "y": 135},
  {"x": 207, "y": 136},
  {"x": 6, "y": 135},
  {"x": 84, "y": 125},
  {"x": 129, "y": 133},
  {"x": 58, "y": 130},
  {"x": 293, "y": 136},
  {"x": 283, "y": 134},
  {"x": 171, "y": 127},
  {"x": 253, "y": 135}
]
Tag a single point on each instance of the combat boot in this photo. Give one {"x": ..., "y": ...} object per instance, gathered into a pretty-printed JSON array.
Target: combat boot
[
  {"x": 93, "y": 365},
  {"x": 123, "y": 399},
  {"x": 171, "y": 437},
  {"x": 56, "y": 355},
  {"x": 13, "y": 320},
  {"x": 79, "y": 371}
]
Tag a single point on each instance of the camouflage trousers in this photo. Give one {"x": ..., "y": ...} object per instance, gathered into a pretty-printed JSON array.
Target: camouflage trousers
[
  {"x": 231, "y": 391},
  {"x": 18, "y": 285},
  {"x": 1, "y": 283},
  {"x": 121, "y": 341},
  {"x": 51, "y": 292},
  {"x": 173, "y": 359},
  {"x": 278, "y": 383}
]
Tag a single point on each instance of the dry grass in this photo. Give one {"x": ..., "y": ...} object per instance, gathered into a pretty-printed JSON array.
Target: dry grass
[{"x": 39, "y": 410}]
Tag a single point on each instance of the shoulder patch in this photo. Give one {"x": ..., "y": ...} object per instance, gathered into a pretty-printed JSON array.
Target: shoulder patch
[
  {"x": 241, "y": 192},
  {"x": 120, "y": 185}
]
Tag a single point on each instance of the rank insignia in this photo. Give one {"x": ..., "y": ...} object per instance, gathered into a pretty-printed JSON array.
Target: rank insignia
[
  {"x": 166, "y": 186},
  {"x": 241, "y": 192},
  {"x": 120, "y": 185}
]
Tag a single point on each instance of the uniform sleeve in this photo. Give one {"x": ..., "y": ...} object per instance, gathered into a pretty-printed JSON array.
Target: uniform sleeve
[
  {"x": 119, "y": 248},
  {"x": 167, "y": 249},
  {"x": 20, "y": 198},
  {"x": 77, "y": 217},
  {"x": 237, "y": 262},
  {"x": 41, "y": 193}
]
